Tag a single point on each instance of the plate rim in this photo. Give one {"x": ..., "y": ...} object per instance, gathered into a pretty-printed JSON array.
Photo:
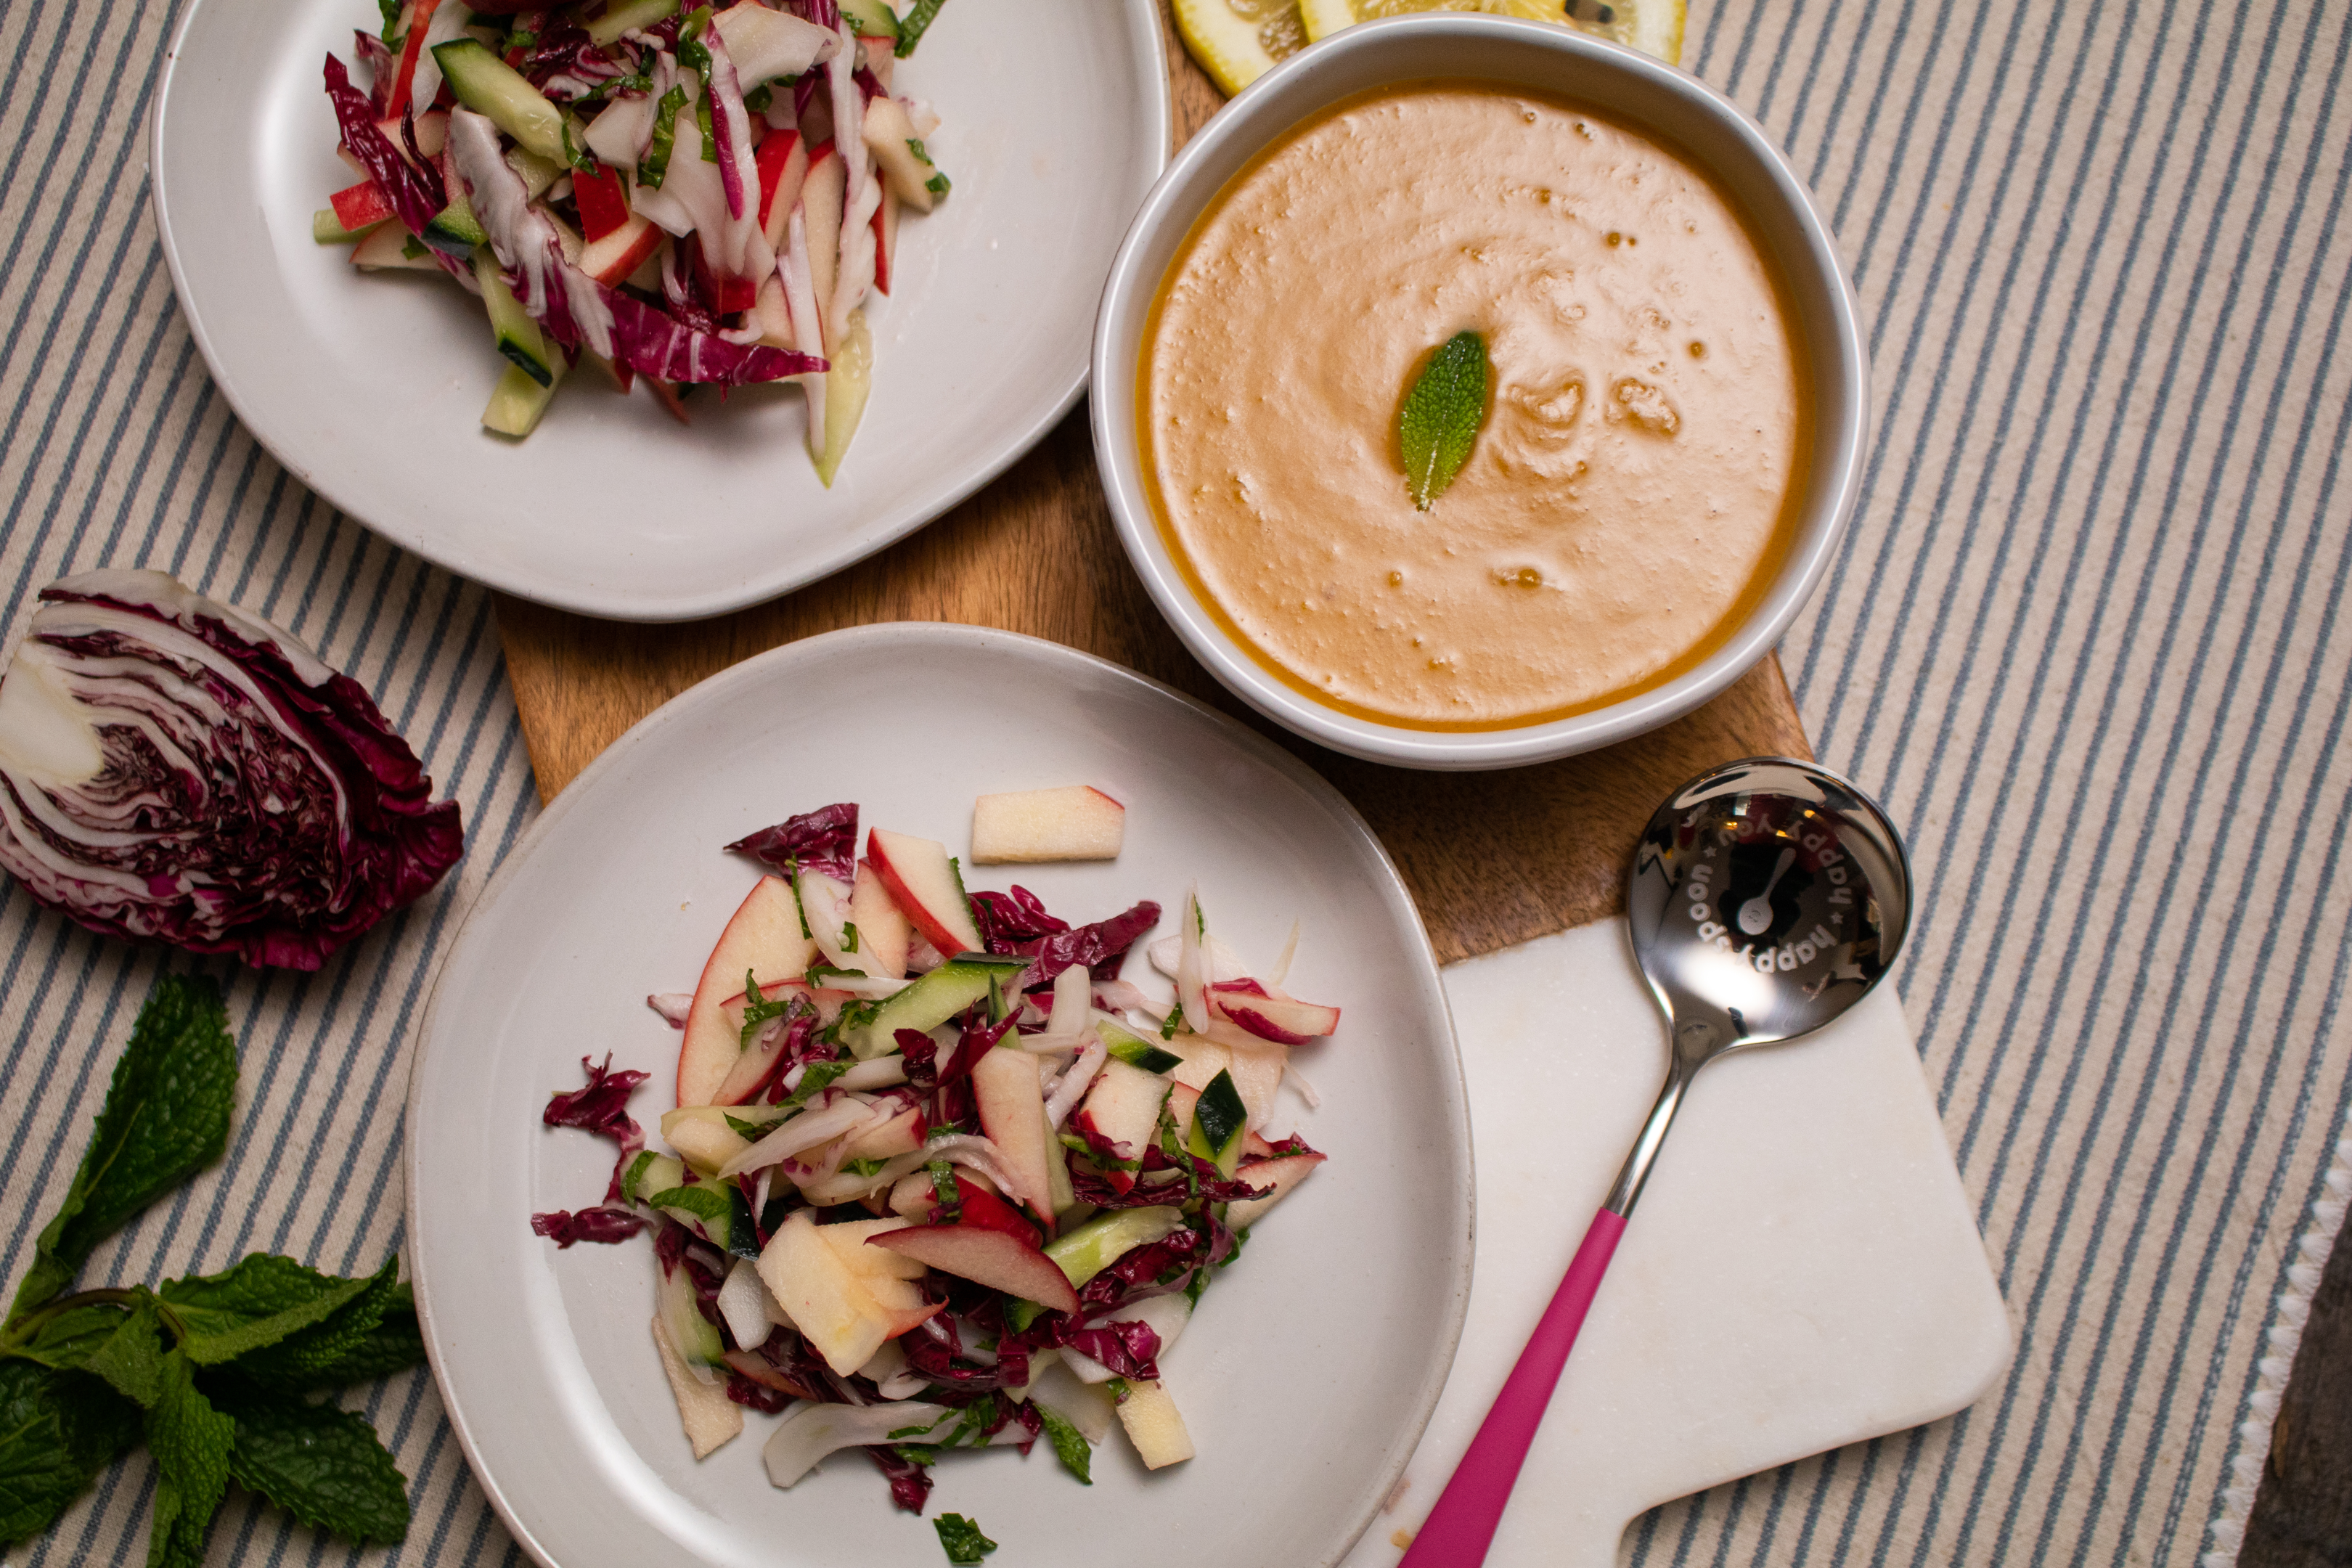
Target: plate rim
[
  {"x": 613, "y": 604},
  {"x": 717, "y": 688}
]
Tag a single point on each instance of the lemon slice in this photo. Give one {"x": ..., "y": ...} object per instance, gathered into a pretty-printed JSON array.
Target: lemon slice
[
  {"x": 1237, "y": 41},
  {"x": 1653, "y": 26}
]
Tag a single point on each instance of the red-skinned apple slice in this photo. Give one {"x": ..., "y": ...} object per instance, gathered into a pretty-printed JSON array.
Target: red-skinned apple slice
[
  {"x": 1281, "y": 1175},
  {"x": 611, "y": 259},
  {"x": 923, "y": 882},
  {"x": 1079, "y": 823},
  {"x": 984, "y": 1210},
  {"x": 883, "y": 929},
  {"x": 1123, "y": 1107},
  {"x": 762, "y": 937},
  {"x": 753, "y": 1067},
  {"x": 1012, "y": 1113},
  {"x": 995, "y": 1258},
  {"x": 1282, "y": 1019},
  {"x": 902, "y": 1135}
]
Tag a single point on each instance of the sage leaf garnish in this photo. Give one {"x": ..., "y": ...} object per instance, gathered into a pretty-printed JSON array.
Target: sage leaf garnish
[{"x": 1439, "y": 422}]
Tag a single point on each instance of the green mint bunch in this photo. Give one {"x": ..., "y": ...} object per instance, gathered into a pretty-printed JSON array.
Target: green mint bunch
[{"x": 213, "y": 1372}]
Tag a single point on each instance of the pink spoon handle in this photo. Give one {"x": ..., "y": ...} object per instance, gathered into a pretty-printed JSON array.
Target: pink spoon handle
[{"x": 1463, "y": 1524}]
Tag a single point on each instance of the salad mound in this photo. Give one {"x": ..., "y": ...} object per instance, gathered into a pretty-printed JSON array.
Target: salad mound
[
  {"x": 938, "y": 1177},
  {"x": 684, "y": 195}
]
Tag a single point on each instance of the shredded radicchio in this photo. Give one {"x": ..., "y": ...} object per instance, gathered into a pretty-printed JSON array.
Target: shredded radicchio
[
  {"x": 177, "y": 770},
  {"x": 823, "y": 840},
  {"x": 416, "y": 193},
  {"x": 911, "y": 1480},
  {"x": 601, "y": 1107},
  {"x": 1007, "y": 919},
  {"x": 1101, "y": 947}
]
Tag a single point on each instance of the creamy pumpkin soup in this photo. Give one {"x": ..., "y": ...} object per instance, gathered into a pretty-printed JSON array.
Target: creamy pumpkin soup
[{"x": 1631, "y": 488}]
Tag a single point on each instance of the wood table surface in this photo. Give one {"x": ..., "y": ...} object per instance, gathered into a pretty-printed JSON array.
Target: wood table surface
[{"x": 1493, "y": 858}]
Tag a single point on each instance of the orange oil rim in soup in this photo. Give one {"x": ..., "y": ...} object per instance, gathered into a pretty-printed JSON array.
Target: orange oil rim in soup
[{"x": 1639, "y": 478}]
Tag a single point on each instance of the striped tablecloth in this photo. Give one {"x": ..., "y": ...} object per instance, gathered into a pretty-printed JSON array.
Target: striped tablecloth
[{"x": 2084, "y": 638}]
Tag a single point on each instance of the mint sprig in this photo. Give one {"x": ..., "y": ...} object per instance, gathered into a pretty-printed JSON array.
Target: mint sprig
[
  {"x": 1439, "y": 422},
  {"x": 209, "y": 1370}
]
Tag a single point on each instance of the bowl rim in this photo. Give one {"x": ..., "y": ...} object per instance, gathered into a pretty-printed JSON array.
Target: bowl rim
[{"x": 1298, "y": 87}]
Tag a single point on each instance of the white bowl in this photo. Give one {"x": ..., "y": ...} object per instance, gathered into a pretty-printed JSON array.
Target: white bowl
[{"x": 1705, "y": 126}]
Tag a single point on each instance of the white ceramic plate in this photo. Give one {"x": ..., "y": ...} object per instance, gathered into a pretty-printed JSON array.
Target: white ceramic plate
[
  {"x": 1315, "y": 1360},
  {"x": 369, "y": 388}
]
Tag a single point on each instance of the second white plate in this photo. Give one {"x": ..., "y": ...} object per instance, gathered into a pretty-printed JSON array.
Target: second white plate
[
  {"x": 1315, "y": 1360},
  {"x": 369, "y": 388}
]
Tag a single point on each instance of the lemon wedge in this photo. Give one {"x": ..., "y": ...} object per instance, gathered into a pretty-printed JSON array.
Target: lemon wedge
[
  {"x": 1653, "y": 26},
  {"x": 1237, "y": 41}
]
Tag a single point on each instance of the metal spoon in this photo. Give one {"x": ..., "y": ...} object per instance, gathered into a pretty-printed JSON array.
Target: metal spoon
[{"x": 1832, "y": 915}]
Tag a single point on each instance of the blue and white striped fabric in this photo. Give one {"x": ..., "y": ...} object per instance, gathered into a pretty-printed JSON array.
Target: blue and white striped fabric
[{"x": 2085, "y": 639}]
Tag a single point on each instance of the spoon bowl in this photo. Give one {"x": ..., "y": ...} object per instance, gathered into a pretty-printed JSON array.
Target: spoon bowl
[{"x": 1768, "y": 896}]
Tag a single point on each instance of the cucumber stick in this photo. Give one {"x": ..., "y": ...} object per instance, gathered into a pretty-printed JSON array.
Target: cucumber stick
[
  {"x": 489, "y": 86},
  {"x": 518, "y": 337},
  {"x": 692, "y": 1335},
  {"x": 517, "y": 402},
  {"x": 625, "y": 14},
  {"x": 870, "y": 18},
  {"x": 930, "y": 1001}
]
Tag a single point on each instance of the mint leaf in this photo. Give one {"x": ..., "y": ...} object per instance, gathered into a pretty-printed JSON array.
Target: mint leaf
[
  {"x": 323, "y": 1465},
  {"x": 191, "y": 1442},
  {"x": 132, "y": 1357},
  {"x": 961, "y": 1539},
  {"x": 1439, "y": 421},
  {"x": 220, "y": 1317},
  {"x": 1070, "y": 1445},
  {"x": 758, "y": 1010},
  {"x": 57, "y": 1430},
  {"x": 395, "y": 1344},
  {"x": 67, "y": 1333},
  {"x": 165, "y": 1117},
  {"x": 316, "y": 1356}
]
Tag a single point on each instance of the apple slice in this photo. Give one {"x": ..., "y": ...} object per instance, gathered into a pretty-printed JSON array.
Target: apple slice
[
  {"x": 829, "y": 1301},
  {"x": 615, "y": 258},
  {"x": 1257, "y": 1073},
  {"x": 762, "y": 937},
  {"x": 710, "y": 1418},
  {"x": 821, "y": 192},
  {"x": 1203, "y": 1058},
  {"x": 784, "y": 161},
  {"x": 924, "y": 883},
  {"x": 902, "y": 1135},
  {"x": 995, "y": 1258},
  {"x": 849, "y": 1238},
  {"x": 1079, "y": 823},
  {"x": 1280, "y": 1174},
  {"x": 1011, "y": 1091},
  {"x": 1282, "y": 1019},
  {"x": 824, "y": 906},
  {"x": 1123, "y": 1109},
  {"x": 984, "y": 1210},
  {"x": 1153, "y": 1425},
  {"x": 883, "y": 929}
]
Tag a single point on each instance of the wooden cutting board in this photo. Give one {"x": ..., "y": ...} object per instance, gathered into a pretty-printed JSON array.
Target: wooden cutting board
[{"x": 1493, "y": 858}]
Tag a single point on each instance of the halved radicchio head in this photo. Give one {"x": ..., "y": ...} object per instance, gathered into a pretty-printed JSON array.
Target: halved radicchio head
[{"x": 177, "y": 770}]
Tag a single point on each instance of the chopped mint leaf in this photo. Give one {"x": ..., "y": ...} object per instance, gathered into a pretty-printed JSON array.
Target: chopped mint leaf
[
  {"x": 521, "y": 39},
  {"x": 219, "y": 1317},
  {"x": 849, "y": 939},
  {"x": 323, "y": 1465},
  {"x": 1019, "y": 1315},
  {"x": 961, "y": 1539},
  {"x": 818, "y": 974},
  {"x": 938, "y": 185},
  {"x": 702, "y": 116},
  {"x": 819, "y": 1075},
  {"x": 947, "y": 1191},
  {"x": 757, "y": 100},
  {"x": 390, "y": 10},
  {"x": 413, "y": 249},
  {"x": 1118, "y": 1390},
  {"x": 758, "y": 1010},
  {"x": 637, "y": 1173},
  {"x": 916, "y": 1453},
  {"x": 1174, "y": 1021},
  {"x": 191, "y": 1442},
  {"x": 165, "y": 1117},
  {"x": 707, "y": 1203},
  {"x": 915, "y": 145},
  {"x": 654, "y": 166},
  {"x": 754, "y": 1130},
  {"x": 910, "y": 26},
  {"x": 862, "y": 1167},
  {"x": 1439, "y": 421},
  {"x": 930, "y": 1425},
  {"x": 1070, "y": 1445}
]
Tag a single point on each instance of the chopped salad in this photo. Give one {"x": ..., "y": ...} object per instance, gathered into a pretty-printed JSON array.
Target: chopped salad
[
  {"x": 686, "y": 196},
  {"x": 938, "y": 1177}
]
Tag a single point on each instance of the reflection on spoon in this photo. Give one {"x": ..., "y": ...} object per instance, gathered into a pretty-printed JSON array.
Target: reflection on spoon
[{"x": 1756, "y": 914}]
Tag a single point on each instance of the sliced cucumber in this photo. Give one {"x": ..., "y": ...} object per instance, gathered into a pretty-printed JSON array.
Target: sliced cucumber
[
  {"x": 930, "y": 1001},
  {"x": 692, "y": 1335},
  {"x": 620, "y": 15},
  {"x": 869, "y": 18},
  {"x": 537, "y": 174},
  {"x": 1135, "y": 1050},
  {"x": 649, "y": 1174},
  {"x": 489, "y": 86},
  {"x": 518, "y": 401},
  {"x": 1105, "y": 1239},
  {"x": 518, "y": 337},
  {"x": 1219, "y": 1120},
  {"x": 455, "y": 231},
  {"x": 327, "y": 229},
  {"x": 392, "y": 247}
]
